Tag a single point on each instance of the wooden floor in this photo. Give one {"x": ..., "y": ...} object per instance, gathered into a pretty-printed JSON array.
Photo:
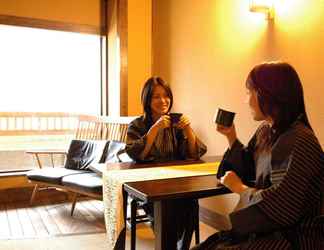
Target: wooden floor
[
  {"x": 144, "y": 241},
  {"x": 49, "y": 216},
  {"x": 47, "y": 225}
]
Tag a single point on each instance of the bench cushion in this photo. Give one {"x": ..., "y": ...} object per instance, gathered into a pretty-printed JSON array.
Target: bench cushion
[
  {"x": 51, "y": 175},
  {"x": 82, "y": 153},
  {"x": 111, "y": 151},
  {"x": 88, "y": 182}
]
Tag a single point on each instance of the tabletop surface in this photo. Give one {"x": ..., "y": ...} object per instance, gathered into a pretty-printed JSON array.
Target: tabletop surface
[
  {"x": 100, "y": 167},
  {"x": 175, "y": 188}
]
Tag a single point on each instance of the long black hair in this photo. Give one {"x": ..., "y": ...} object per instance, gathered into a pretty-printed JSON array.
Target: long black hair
[
  {"x": 280, "y": 95},
  {"x": 146, "y": 96}
]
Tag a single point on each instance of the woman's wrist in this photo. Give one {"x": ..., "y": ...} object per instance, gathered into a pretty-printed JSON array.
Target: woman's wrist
[
  {"x": 191, "y": 139},
  {"x": 150, "y": 137},
  {"x": 231, "y": 140},
  {"x": 151, "y": 134},
  {"x": 156, "y": 127},
  {"x": 240, "y": 188}
]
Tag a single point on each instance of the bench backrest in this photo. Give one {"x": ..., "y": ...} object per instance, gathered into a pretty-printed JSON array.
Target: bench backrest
[{"x": 103, "y": 128}]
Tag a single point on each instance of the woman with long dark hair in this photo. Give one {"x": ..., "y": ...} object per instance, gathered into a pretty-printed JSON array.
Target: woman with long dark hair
[
  {"x": 279, "y": 174},
  {"x": 152, "y": 137},
  {"x": 155, "y": 137}
]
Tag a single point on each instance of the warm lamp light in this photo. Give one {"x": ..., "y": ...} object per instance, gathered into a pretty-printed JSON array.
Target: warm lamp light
[{"x": 263, "y": 6}]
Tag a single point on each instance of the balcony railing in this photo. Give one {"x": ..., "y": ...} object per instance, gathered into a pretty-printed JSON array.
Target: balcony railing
[
  {"x": 37, "y": 123},
  {"x": 21, "y": 131}
]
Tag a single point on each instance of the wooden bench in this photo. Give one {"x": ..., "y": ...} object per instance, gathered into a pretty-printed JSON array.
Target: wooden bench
[{"x": 80, "y": 182}]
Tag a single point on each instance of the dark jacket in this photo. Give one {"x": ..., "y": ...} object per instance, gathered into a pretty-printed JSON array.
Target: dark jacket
[
  {"x": 136, "y": 140},
  {"x": 288, "y": 193}
]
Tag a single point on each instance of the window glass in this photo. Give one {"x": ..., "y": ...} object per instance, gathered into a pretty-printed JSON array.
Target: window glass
[
  {"x": 49, "y": 71},
  {"x": 44, "y": 71}
]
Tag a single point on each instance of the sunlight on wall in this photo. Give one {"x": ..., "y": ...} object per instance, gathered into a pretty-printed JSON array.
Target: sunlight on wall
[
  {"x": 240, "y": 32},
  {"x": 236, "y": 23},
  {"x": 113, "y": 66},
  {"x": 297, "y": 16},
  {"x": 139, "y": 51}
]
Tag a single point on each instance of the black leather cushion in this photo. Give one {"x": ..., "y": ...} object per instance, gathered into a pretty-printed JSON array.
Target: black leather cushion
[
  {"x": 88, "y": 182},
  {"x": 51, "y": 175},
  {"x": 82, "y": 153},
  {"x": 111, "y": 151}
]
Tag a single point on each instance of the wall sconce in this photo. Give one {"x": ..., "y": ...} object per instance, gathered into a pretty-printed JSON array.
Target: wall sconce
[{"x": 263, "y": 6}]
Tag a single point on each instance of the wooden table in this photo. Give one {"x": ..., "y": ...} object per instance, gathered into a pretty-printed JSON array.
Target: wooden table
[
  {"x": 162, "y": 192},
  {"x": 114, "y": 174}
]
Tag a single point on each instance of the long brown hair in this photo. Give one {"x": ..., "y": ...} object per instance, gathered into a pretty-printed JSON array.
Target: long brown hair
[
  {"x": 146, "y": 96},
  {"x": 280, "y": 96}
]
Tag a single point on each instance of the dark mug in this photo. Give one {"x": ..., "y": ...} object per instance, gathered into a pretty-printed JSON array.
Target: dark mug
[
  {"x": 224, "y": 117},
  {"x": 175, "y": 117}
]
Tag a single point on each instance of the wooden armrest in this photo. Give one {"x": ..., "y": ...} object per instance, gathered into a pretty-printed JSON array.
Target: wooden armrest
[
  {"x": 50, "y": 152},
  {"x": 47, "y": 151}
]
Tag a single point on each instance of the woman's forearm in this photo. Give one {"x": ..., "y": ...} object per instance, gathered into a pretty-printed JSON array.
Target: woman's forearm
[
  {"x": 231, "y": 141},
  {"x": 240, "y": 188},
  {"x": 229, "y": 133},
  {"x": 150, "y": 137},
  {"x": 192, "y": 142},
  {"x": 231, "y": 136}
]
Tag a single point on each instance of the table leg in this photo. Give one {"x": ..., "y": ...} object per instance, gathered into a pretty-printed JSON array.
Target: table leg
[
  {"x": 121, "y": 241},
  {"x": 38, "y": 161},
  {"x": 133, "y": 223},
  {"x": 164, "y": 228}
]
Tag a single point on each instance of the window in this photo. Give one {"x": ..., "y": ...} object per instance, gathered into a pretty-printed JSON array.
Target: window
[
  {"x": 49, "y": 71},
  {"x": 45, "y": 71}
]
